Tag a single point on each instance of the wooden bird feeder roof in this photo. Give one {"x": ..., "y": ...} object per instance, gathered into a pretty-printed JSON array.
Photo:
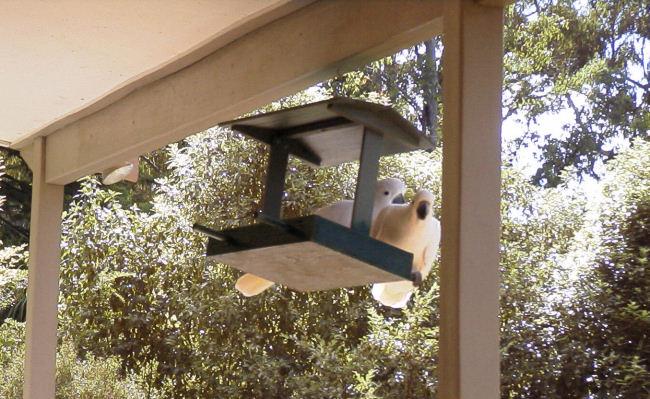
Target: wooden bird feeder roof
[{"x": 330, "y": 132}]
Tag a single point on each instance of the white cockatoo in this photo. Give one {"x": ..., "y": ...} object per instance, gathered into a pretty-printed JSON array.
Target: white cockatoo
[
  {"x": 128, "y": 172},
  {"x": 412, "y": 228},
  {"x": 387, "y": 191}
]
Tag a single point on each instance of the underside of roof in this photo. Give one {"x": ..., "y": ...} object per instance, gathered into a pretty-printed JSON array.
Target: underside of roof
[
  {"x": 57, "y": 58},
  {"x": 107, "y": 81}
]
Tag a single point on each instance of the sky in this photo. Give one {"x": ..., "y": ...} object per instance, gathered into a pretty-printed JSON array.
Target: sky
[{"x": 527, "y": 158}]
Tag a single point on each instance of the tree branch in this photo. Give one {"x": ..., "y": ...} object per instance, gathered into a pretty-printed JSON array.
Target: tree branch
[{"x": 22, "y": 232}]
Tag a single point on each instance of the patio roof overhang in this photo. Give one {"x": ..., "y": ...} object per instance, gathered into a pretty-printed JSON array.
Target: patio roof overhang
[
  {"x": 89, "y": 85},
  {"x": 59, "y": 58},
  {"x": 106, "y": 84}
]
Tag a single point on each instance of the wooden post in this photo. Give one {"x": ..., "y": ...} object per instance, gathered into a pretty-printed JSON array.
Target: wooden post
[
  {"x": 469, "y": 276},
  {"x": 43, "y": 283}
]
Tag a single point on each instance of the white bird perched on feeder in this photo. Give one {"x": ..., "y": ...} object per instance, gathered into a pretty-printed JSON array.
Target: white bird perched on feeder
[
  {"x": 412, "y": 228},
  {"x": 388, "y": 191}
]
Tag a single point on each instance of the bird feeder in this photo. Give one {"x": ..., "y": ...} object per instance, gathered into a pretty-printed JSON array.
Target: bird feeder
[{"x": 311, "y": 253}]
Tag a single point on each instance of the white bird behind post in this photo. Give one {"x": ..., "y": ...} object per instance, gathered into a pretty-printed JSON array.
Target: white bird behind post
[
  {"x": 412, "y": 228},
  {"x": 387, "y": 192}
]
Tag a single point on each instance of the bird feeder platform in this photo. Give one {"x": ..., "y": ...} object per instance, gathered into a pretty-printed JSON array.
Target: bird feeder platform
[{"x": 311, "y": 253}]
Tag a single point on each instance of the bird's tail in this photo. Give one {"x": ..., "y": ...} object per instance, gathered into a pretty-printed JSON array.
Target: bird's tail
[
  {"x": 395, "y": 295},
  {"x": 251, "y": 285}
]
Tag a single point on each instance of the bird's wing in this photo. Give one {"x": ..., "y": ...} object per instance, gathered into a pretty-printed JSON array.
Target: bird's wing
[
  {"x": 339, "y": 212},
  {"x": 250, "y": 284},
  {"x": 431, "y": 249},
  {"x": 377, "y": 227},
  {"x": 394, "y": 223}
]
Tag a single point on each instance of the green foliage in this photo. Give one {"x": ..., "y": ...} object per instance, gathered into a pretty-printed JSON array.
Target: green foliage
[
  {"x": 12, "y": 278},
  {"x": 587, "y": 334},
  {"x": 588, "y": 60},
  {"x": 139, "y": 297},
  {"x": 585, "y": 62},
  {"x": 89, "y": 378},
  {"x": 15, "y": 194},
  {"x": 2, "y": 172},
  {"x": 136, "y": 285},
  {"x": 538, "y": 227},
  {"x": 611, "y": 308}
]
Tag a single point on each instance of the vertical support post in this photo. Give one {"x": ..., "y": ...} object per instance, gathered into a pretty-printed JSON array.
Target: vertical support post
[
  {"x": 43, "y": 280},
  {"x": 276, "y": 171},
  {"x": 364, "y": 196},
  {"x": 469, "y": 273}
]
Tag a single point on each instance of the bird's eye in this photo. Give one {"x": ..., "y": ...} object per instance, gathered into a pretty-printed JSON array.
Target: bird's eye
[{"x": 386, "y": 193}]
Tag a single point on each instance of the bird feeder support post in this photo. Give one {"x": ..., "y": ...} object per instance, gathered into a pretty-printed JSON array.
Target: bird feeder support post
[
  {"x": 276, "y": 171},
  {"x": 371, "y": 150}
]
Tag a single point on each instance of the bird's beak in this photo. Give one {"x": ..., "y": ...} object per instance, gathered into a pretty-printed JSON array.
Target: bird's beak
[
  {"x": 399, "y": 199},
  {"x": 423, "y": 209}
]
